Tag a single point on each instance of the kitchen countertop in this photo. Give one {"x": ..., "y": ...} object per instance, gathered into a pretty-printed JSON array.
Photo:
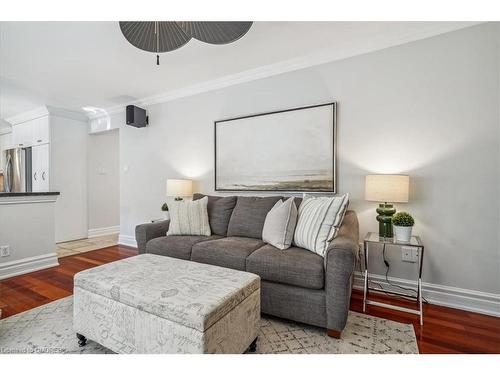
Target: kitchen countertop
[{"x": 29, "y": 194}]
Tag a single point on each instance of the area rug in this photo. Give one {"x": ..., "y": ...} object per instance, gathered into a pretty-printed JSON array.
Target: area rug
[{"x": 48, "y": 329}]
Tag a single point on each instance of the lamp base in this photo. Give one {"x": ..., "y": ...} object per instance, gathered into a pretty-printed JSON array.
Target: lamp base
[{"x": 384, "y": 218}]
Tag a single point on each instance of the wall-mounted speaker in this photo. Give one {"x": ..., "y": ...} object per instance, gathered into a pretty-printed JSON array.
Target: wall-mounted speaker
[{"x": 136, "y": 116}]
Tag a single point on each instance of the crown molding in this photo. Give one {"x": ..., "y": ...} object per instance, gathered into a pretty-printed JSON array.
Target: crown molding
[
  {"x": 28, "y": 115},
  {"x": 45, "y": 111},
  {"x": 66, "y": 113},
  {"x": 315, "y": 59},
  {"x": 6, "y": 130}
]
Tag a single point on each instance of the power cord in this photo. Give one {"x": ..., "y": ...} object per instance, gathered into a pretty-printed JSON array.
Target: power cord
[
  {"x": 381, "y": 288},
  {"x": 395, "y": 285}
]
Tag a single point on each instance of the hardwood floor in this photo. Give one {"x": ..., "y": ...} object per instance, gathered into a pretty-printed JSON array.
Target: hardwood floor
[
  {"x": 21, "y": 293},
  {"x": 445, "y": 330}
]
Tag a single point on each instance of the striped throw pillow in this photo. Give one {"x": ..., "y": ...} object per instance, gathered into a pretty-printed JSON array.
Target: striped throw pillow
[
  {"x": 189, "y": 218},
  {"x": 319, "y": 219}
]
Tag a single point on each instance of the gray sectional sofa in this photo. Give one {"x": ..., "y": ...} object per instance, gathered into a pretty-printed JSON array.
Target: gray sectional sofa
[{"x": 297, "y": 284}]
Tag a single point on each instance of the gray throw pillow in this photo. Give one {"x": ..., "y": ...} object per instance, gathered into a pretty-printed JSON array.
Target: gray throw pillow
[{"x": 279, "y": 225}]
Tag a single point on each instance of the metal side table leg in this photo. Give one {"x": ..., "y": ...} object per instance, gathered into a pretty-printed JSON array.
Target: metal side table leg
[
  {"x": 420, "y": 301},
  {"x": 365, "y": 289}
]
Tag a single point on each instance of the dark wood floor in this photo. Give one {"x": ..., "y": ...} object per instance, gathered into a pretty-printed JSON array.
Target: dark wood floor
[
  {"x": 445, "y": 330},
  {"x": 21, "y": 293}
]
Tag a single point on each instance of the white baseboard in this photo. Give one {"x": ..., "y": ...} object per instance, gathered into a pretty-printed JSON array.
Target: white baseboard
[
  {"x": 127, "y": 240},
  {"x": 26, "y": 265},
  {"x": 103, "y": 231},
  {"x": 463, "y": 299}
]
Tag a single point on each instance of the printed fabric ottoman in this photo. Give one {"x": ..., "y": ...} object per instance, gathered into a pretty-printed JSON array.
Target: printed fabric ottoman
[{"x": 156, "y": 304}]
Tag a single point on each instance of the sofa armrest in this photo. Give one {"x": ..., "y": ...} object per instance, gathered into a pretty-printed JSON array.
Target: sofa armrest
[
  {"x": 146, "y": 232},
  {"x": 340, "y": 262}
]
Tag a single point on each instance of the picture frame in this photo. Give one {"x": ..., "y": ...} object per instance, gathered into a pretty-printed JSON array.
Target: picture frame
[{"x": 251, "y": 153}]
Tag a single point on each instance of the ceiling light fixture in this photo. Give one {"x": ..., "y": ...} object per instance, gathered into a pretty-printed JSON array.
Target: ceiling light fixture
[{"x": 159, "y": 37}]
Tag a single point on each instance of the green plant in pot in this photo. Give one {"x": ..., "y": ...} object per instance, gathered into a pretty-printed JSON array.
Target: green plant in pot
[
  {"x": 403, "y": 223},
  {"x": 164, "y": 208}
]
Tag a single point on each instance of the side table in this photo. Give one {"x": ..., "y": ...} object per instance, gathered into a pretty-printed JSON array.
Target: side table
[{"x": 374, "y": 238}]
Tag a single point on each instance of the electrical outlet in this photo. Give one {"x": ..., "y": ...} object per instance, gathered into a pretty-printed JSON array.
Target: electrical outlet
[
  {"x": 4, "y": 251},
  {"x": 409, "y": 254}
]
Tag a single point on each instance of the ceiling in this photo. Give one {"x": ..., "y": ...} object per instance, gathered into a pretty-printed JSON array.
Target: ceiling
[{"x": 79, "y": 64}]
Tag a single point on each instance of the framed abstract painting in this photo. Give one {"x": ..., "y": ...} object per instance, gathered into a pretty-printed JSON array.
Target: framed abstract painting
[{"x": 291, "y": 150}]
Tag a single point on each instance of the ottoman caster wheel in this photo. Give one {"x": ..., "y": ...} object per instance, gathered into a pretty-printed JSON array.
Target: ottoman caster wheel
[
  {"x": 253, "y": 346},
  {"x": 82, "y": 340}
]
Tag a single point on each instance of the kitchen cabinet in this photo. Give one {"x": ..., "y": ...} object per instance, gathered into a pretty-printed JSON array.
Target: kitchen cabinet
[
  {"x": 31, "y": 133},
  {"x": 40, "y": 156},
  {"x": 58, "y": 141},
  {"x": 40, "y": 131},
  {"x": 22, "y": 134}
]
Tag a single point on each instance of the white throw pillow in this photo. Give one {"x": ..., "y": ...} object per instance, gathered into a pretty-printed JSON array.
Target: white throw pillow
[
  {"x": 189, "y": 218},
  {"x": 280, "y": 224},
  {"x": 319, "y": 219}
]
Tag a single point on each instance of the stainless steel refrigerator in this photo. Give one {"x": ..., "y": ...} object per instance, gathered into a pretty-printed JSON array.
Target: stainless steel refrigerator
[{"x": 17, "y": 170}]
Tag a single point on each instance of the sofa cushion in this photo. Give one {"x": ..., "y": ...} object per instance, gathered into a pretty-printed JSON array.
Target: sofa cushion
[
  {"x": 294, "y": 266},
  {"x": 230, "y": 252},
  {"x": 175, "y": 246},
  {"x": 249, "y": 214},
  {"x": 219, "y": 212}
]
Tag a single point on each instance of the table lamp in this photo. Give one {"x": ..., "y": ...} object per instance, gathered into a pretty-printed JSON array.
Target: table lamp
[
  {"x": 179, "y": 189},
  {"x": 386, "y": 188}
]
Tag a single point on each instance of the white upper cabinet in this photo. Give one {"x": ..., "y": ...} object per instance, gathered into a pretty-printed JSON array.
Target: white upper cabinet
[
  {"x": 40, "y": 131},
  {"x": 21, "y": 134},
  {"x": 31, "y": 133}
]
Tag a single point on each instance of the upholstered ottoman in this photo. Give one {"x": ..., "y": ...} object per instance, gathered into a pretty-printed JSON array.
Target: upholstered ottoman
[{"x": 156, "y": 304}]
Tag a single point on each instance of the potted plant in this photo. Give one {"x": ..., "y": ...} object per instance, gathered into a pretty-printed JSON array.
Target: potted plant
[
  {"x": 164, "y": 208},
  {"x": 403, "y": 224}
]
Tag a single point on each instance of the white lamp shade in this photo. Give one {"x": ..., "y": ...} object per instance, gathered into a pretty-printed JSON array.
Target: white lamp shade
[
  {"x": 179, "y": 188},
  {"x": 389, "y": 188}
]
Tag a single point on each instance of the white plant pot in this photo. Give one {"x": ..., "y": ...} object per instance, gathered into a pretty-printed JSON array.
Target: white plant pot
[
  {"x": 402, "y": 234},
  {"x": 166, "y": 214}
]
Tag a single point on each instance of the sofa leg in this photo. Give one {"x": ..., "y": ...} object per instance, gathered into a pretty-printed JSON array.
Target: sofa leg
[
  {"x": 333, "y": 333},
  {"x": 82, "y": 340},
  {"x": 253, "y": 346}
]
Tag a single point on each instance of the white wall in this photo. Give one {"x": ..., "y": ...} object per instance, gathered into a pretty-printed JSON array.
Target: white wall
[
  {"x": 103, "y": 167},
  {"x": 427, "y": 108},
  {"x": 68, "y": 175},
  {"x": 27, "y": 227}
]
